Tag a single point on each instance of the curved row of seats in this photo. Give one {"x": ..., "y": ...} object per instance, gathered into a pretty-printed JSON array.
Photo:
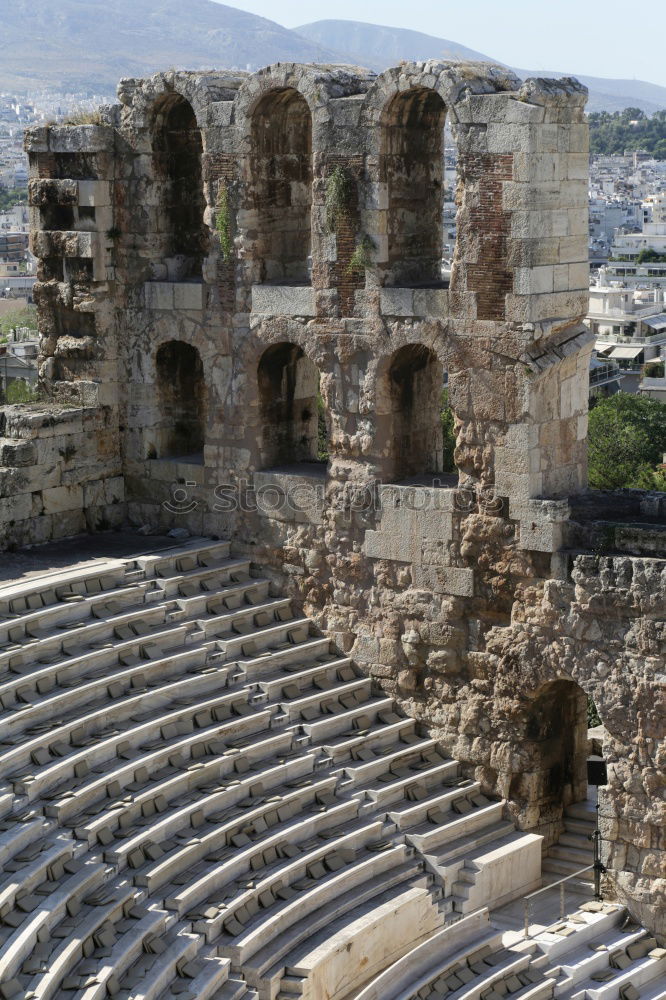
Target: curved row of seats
[{"x": 195, "y": 787}]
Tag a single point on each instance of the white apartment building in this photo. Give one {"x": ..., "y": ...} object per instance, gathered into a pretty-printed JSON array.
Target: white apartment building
[
  {"x": 638, "y": 259},
  {"x": 609, "y": 214},
  {"x": 629, "y": 325}
]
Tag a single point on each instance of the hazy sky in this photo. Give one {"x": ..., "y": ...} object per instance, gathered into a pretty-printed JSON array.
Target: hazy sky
[{"x": 596, "y": 37}]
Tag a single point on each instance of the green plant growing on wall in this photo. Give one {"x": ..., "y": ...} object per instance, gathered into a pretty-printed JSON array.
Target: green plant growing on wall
[
  {"x": 448, "y": 433},
  {"x": 361, "y": 259},
  {"x": 592, "y": 714},
  {"x": 322, "y": 430},
  {"x": 339, "y": 197},
  {"x": 223, "y": 222}
]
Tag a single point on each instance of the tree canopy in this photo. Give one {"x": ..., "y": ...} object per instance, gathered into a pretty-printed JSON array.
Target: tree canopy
[
  {"x": 631, "y": 129},
  {"x": 626, "y": 442},
  {"x": 11, "y": 197}
]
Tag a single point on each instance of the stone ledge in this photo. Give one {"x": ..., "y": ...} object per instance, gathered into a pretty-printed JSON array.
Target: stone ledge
[
  {"x": 65, "y": 243},
  {"x": 291, "y": 494},
  {"x": 74, "y": 139},
  {"x": 283, "y": 300},
  {"x": 175, "y": 470},
  {"x": 168, "y": 295},
  {"x": 417, "y": 302}
]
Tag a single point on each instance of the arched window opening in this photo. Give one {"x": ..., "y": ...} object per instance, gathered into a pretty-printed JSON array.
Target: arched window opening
[
  {"x": 413, "y": 415},
  {"x": 178, "y": 150},
  {"x": 413, "y": 171},
  {"x": 181, "y": 396},
  {"x": 292, "y": 420},
  {"x": 282, "y": 184}
]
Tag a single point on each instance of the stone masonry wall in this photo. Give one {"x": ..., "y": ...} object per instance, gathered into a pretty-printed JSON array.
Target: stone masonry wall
[
  {"x": 480, "y": 600},
  {"x": 60, "y": 473}
]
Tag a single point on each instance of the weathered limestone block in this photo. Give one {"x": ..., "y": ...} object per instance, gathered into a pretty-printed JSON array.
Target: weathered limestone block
[
  {"x": 275, "y": 300},
  {"x": 80, "y": 138},
  {"x": 17, "y": 453},
  {"x": 95, "y": 194},
  {"x": 454, "y": 580},
  {"x": 52, "y": 192},
  {"x": 64, "y": 244},
  {"x": 62, "y": 498}
]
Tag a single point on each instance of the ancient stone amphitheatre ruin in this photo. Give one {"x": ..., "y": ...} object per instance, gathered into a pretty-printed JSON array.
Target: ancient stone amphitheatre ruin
[{"x": 323, "y": 740}]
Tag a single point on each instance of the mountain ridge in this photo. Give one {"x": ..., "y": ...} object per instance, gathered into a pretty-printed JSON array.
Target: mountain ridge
[
  {"x": 361, "y": 38},
  {"x": 85, "y": 46},
  {"x": 395, "y": 43},
  {"x": 88, "y": 46}
]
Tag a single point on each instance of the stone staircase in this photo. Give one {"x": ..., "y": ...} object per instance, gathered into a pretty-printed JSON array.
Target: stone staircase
[
  {"x": 201, "y": 798},
  {"x": 597, "y": 953},
  {"x": 574, "y": 849},
  {"x": 594, "y": 954}
]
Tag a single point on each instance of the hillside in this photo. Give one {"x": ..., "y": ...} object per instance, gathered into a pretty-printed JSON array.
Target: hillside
[
  {"x": 379, "y": 46},
  {"x": 85, "y": 44},
  {"x": 628, "y": 130}
]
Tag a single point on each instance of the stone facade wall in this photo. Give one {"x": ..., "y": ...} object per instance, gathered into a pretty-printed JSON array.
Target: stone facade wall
[
  {"x": 60, "y": 473},
  {"x": 487, "y": 602}
]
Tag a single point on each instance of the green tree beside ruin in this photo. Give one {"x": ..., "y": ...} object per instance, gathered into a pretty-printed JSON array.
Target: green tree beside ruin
[{"x": 627, "y": 441}]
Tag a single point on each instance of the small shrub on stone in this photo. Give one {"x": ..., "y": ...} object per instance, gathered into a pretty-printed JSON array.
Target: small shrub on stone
[
  {"x": 339, "y": 196},
  {"x": 223, "y": 222},
  {"x": 361, "y": 259}
]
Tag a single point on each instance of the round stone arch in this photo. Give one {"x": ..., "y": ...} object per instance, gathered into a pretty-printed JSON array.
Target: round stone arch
[
  {"x": 143, "y": 100},
  {"x": 181, "y": 401},
  {"x": 451, "y": 81},
  {"x": 405, "y": 112},
  {"x": 316, "y": 84},
  {"x": 199, "y": 91},
  {"x": 346, "y": 386},
  {"x": 534, "y": 747},
  {"x": 283, "y": 121},
  {"x": 177, "y": 165},
  {"x": 288, "y": 392},
  {"x": 275, "y": 220}
]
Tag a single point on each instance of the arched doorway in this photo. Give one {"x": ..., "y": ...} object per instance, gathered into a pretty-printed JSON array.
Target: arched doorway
[
  {"x": 549, "y": 762},
  {"x": 557, "y": 729}
]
